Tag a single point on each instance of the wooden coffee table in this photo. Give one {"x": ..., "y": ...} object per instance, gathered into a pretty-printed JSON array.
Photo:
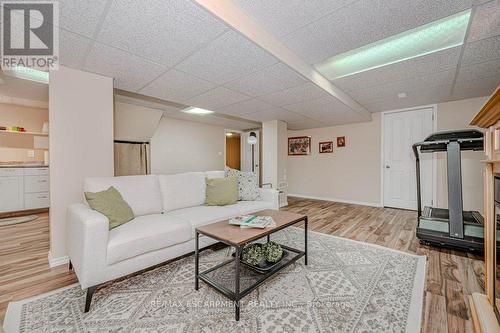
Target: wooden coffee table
[{"x": 238, "y": 238}]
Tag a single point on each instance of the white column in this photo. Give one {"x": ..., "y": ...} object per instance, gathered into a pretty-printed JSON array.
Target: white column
[
  {"x": 274, "y": 156},
  {"x": 80, "y": 143}
]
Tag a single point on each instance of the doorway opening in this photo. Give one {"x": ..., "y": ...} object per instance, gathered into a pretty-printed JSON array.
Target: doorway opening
[{"x": 233, "y": 150}]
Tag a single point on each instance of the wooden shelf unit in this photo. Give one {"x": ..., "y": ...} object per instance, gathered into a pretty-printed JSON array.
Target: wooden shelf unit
[{"x": 482, "y": 306}]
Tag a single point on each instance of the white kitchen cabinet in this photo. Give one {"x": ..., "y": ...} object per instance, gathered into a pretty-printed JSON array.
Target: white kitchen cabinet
[
  {"x": 24, "y": 188},
  {"x": 35, "y": 184},
  {"x": 11, "y": 193},
  {"x": 36, "y": 200}
]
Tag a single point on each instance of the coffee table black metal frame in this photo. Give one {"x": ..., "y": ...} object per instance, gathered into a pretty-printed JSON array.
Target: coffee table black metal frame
[{"x": 238, "y": 294}]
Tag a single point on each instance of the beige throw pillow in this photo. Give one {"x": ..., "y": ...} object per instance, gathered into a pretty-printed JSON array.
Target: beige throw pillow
[
  {"x": 111, "y": 204},
  {"x": 221, "y": 191}
]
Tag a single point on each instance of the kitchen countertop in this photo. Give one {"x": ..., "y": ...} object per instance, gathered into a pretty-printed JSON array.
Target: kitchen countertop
[{"x": 22, "y": 165}]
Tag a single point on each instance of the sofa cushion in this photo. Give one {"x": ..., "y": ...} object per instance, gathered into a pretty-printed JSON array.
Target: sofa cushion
[
  {"x": 142, "y": 193},
  {"x": 145, "y": 234},
  {"x": 249, "y": 207},
  {"x": 214, "y": 174},
  {"x": 182, "y": 190},
  {"x": 202, "y": 215}
]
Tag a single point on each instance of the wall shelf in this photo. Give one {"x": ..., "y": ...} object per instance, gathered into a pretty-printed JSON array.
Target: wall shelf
[{"x": 25, "y": 133}]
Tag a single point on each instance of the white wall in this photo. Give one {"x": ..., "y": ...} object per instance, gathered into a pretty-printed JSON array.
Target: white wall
[
  {"x": 80, "y": 142},
  {"x": 353, "y": 174},
  {"x": 181, "y": 146},
  {"x": 349, "y": 174},
  {"x": 134, "y": 122}
]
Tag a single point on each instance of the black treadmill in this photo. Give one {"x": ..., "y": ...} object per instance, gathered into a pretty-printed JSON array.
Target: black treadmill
[{"x": 451, "y": 227}]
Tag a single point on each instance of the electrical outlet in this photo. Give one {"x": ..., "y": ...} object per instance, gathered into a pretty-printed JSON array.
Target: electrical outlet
[{"x": 31, "y": 153}]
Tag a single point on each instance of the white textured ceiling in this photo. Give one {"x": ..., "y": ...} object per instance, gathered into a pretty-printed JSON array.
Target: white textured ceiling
[{"x": 176, "y": 50}]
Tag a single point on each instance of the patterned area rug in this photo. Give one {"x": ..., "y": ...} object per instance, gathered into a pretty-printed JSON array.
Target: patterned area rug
[{"x": 348, "y": 286}]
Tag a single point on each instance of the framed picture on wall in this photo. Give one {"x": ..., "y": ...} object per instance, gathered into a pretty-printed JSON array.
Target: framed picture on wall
[
  {"x": 326, "y": 147},
  {"x": 341, "y": 141},
  {"x": 300, "y": 145}
]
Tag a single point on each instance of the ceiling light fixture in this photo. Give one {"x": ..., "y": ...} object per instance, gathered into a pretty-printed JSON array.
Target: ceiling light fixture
[
  {"x": 429, "y": 38},
  {"x": 198, "y": 111},
  {"x": 27, "y": 73}
]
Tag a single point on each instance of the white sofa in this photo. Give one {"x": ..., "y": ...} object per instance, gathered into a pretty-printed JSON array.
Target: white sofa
[{"x": 167, "y": 210}]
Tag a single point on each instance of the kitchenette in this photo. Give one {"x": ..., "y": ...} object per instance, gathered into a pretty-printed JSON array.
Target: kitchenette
[
  {"x": 23, "y": 186},
  {"x": 24, "y": 157}
]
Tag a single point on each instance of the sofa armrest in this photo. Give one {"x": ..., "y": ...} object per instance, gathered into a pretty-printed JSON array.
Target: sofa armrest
[
  {"x": 270, "y": 195},
  {"x": 87, "y": 234}
]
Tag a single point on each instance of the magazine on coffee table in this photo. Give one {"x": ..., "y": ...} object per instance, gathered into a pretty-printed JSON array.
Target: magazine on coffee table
[{"x": 252, "y": 221}]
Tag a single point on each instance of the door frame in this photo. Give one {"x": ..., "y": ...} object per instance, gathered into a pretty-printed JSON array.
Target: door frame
[{"x": 382, "y": 140}]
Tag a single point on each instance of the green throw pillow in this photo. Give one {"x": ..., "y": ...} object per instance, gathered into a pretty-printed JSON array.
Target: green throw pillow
[
  {"x": 221, "y": 191},
  {"x": 111, "y": 204}
]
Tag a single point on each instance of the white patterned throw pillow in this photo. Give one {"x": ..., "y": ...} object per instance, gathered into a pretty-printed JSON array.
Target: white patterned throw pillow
[{"x": 248, "y": 184}]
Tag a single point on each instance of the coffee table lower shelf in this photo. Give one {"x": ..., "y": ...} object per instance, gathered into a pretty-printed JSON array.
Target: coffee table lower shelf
[
  {"x": 224, "y": 287},
  {"x": 233, "y": 279}
]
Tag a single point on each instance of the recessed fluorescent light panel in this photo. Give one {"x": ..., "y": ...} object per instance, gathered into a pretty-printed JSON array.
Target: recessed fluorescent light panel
[
  {"x": 29, "y": 74},
  {"x": 429, "y": 38},
  {"x": 198, "y": 111}
]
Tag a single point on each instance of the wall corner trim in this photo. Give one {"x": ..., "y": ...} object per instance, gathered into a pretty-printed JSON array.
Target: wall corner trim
[{"x": 54, "y": 262}]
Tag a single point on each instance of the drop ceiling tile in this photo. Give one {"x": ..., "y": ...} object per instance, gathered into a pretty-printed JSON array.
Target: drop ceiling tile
[
  {"x": 293, "y": 95},
  {"x": 481, "y": 51},
  {"x": 81, "y": 17},
  {"x": 479, "y": 71},
  {"x": 248, "y": 106},
  {"x": 486, "y": 21},
  {"x": 280, "y": 17},
  {"x": 217, "y": 98},
  {"x": 73, "y": 49},
  {"x": 391, "y": 90},
  {"x": 404, "y": 70},
  {"x": 227, "y": 58},
  {"x": 274, "y": 114},
  {"x": 423, "y": 96},
  {"x": 320, "y": 106},
  {"x": 364, "y": 22},
  {"x": 129, "y": 72},
  {"x": 271, "y": 79},
  {"x": 162, "y": 31},
  {"x": 177, "y": 86},
  {"x": 475, "y": 88}
]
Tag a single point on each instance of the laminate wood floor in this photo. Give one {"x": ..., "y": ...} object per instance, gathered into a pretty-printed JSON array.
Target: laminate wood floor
[{"x": 451, "y": 275}]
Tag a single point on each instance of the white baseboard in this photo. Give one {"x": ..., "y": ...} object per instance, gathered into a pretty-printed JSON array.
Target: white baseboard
[
  {"x": 54, "y": 262},
  {"x": 353, "y": 202}
]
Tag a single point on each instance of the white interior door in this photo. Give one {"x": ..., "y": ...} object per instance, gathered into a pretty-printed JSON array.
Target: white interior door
[
  {"x": 246, "y": 153},
  {"x": 401, "y": 131}
]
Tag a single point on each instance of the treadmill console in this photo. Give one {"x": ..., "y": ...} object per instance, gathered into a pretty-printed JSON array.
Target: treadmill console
[{"x": 455, "y": 135}]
